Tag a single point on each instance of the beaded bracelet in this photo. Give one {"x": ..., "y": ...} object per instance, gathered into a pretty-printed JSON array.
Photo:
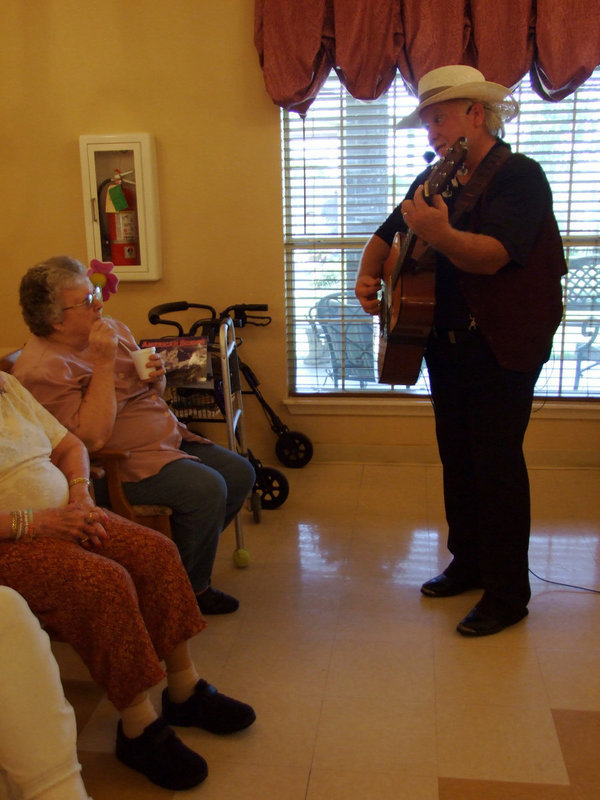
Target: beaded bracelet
[{"x": 75, "y": 481}]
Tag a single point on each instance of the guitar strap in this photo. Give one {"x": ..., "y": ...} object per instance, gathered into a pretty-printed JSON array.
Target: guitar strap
[{"x": 472, "y": 190}]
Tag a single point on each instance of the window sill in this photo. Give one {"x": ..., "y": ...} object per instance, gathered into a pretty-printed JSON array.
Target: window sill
[{"x": 370, "y": 406}]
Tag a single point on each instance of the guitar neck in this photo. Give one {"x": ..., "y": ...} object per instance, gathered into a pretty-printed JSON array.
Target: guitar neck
[{"x": 438, "y": 178}]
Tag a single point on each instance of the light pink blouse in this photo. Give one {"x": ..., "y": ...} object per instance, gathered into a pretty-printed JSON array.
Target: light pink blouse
[{"x": 58, "y": 377}]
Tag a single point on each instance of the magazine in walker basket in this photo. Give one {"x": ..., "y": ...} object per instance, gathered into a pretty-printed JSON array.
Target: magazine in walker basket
[{"x": 185, "y": 360}]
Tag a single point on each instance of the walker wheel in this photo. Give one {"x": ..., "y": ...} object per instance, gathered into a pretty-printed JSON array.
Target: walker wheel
[
  {"x": 272, "y": 486},
  {"x": 294, "y": 449},
  {"x": 241, "y": 558}
]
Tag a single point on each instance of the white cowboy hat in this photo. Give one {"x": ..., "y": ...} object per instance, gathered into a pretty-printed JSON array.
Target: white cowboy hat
[{"x": 457, "y": 82}]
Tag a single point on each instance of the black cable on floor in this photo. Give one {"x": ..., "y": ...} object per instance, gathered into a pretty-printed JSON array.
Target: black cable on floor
[{"x": 568, "y": 585}]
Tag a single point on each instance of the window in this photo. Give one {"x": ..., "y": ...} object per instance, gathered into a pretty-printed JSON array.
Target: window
[{"x": 346, "y": 167}]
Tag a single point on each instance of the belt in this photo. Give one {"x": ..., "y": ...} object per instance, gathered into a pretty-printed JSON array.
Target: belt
[{"x": 456, "y": 336}]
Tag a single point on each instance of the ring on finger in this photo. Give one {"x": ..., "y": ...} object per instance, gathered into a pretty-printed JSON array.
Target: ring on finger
[{"x": 85, "y": 540}]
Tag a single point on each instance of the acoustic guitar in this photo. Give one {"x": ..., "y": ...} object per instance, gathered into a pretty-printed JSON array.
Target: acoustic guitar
[{"x": 408, "y": 288}]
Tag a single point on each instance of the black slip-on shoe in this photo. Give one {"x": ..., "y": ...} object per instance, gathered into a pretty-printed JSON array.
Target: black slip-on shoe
[
  {"x": 162, "y": 757},
  {"x": 208, "y": 709},
  {"x": 213, "y": 601}
]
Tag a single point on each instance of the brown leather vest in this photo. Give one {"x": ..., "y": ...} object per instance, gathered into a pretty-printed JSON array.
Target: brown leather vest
[{"x": 520, "y": 307}]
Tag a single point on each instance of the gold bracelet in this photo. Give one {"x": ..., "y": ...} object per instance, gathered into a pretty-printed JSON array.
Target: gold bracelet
[
  {"x": 21, "y": 525},
  {"x": 15, "y": 527},
  {"x": 75, "y": 481},
  {"x": 28, "y": 533}
]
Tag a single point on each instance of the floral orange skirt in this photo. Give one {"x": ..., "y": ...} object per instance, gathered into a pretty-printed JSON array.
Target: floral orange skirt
[{"x": 123, "y": 606}]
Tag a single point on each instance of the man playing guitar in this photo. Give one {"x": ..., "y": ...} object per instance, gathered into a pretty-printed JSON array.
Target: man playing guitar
[{"x": 498, "y": 259}]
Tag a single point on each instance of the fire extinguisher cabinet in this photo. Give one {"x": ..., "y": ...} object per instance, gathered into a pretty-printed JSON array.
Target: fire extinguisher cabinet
[{"x": 120, "y": 203}]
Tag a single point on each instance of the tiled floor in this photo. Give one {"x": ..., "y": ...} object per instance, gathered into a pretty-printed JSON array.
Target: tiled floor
[{"x": 362, "y": 687}]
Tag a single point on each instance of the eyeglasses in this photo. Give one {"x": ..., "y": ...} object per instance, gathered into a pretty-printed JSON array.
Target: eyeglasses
[{"x": 95, "y": 294}]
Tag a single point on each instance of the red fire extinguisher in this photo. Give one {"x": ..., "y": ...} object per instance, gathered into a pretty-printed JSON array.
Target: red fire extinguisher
[{"x": 121, "y": 213}]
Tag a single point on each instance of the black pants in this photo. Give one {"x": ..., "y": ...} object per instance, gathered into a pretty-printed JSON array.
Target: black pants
[{"x": 481, "y": 414}]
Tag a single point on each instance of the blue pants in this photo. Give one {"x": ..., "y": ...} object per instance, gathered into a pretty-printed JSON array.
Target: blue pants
[
  {"x": 481, "y": 415},
  {"x": 205, "y": 496}
]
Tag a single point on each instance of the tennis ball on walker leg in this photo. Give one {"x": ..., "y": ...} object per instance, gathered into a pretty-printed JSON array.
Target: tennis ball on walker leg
[{"x": 241, "y": 557}]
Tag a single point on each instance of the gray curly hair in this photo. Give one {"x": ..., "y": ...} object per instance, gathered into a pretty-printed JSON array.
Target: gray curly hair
[
  {"x": 40, "y": 292},
  {"x": 496, "y": 114}
]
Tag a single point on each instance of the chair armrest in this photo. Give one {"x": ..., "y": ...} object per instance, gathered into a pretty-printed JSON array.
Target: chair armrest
[
  {"x": 110, "y": 462},
  {"x": 110, "y": 455},
  {"x": 153, "y": 516}
]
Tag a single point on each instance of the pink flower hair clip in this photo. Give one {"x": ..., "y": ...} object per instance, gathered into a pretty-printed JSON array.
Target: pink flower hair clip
[{"x": 101, "y": 274}]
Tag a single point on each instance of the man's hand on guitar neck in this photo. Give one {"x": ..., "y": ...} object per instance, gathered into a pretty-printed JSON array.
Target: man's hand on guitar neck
[
  {"x": 476, "y": 253},
  {"x": 428, "y": 220}
]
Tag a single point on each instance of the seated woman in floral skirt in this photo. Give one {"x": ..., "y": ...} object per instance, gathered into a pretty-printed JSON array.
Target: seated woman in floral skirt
[{"x": 116, "y": 591}]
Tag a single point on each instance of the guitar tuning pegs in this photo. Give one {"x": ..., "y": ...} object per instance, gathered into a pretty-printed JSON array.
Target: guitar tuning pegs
[{"x": 447, "y": 192}]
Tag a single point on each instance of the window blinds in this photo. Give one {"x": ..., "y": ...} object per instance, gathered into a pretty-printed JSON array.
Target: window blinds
[{"x": 345, "y": 167}]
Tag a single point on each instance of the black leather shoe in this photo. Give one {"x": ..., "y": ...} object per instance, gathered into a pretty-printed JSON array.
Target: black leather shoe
[
  {"x": 443, "y": 586},
  {"x": 213, "y": 601},
  {"x": 478, "y": 623}
]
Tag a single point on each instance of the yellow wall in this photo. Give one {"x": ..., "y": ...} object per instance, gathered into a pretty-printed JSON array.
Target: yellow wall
[{"x": 187, "y": 72}]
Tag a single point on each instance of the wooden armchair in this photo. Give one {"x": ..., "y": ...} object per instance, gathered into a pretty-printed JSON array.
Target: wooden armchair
[
  {"x": 7, "y": 361},
  {"x": 107, "y": 463}
]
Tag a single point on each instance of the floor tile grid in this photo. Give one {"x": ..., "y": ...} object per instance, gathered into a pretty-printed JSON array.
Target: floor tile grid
[{"x": 331, "y": 616}]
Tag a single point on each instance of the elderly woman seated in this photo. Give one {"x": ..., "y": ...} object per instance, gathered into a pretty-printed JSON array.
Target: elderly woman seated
[
  {"x": 116, "y": 591},
  {"x": 79, "y": 366}
]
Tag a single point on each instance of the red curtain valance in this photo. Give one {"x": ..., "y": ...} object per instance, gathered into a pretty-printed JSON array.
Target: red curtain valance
[{"x": 366, "y": 41}]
